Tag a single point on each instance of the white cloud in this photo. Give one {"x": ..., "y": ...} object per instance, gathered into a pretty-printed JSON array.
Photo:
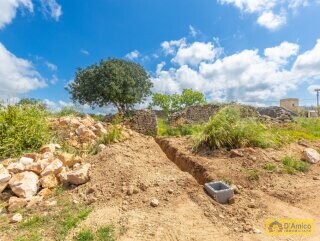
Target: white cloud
[
  {"x": 307, "y": 65},
  {"x": 246, "y": 76},
  {"x": 170, "y": 47},
  {"x": 17, "y": 75},
  {"x": 51, "y": 66},
  {"x": 281, "y": 53},
  {"x": 271, "y": 21},
  {"x": 193, "y": 32},
  {"x": 51, "y": 8},
  {"x": 84, "y": 51},
  {"x": 9, "y": 10},
  {"x": 133, "y": 55},
  {"x": 268, "y": 10},
  {"x": 195, "y": 53}
]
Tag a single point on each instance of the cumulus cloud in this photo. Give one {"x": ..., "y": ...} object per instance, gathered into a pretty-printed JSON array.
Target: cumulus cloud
[
  {"x": 268, "y": 10},
  {"x": 271, "y": 21},
  {"x": 248, "y": 76},
  {"x": 17, "y": 75},
  {"x": 195, "y": 53},
  {"x": 170, "y": 47},
  {"x": 9, "y": 10},
  {"x": 133, "y": 55},
  {"x": 51, "y": 8},
  {"x": 281, "y": 53}
]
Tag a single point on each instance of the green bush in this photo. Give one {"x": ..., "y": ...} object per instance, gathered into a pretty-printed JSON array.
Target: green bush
[
  {"x": 23, "y": 128},
  {"x": 69, "y": 110},
  {"x": 292, "y": 165},
  {"x": 164, "y": 129},
  {"x": 227, "y": 129}
]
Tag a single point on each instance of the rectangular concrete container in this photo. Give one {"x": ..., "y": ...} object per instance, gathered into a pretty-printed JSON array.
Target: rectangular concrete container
[{"x": 220, "y": 191}]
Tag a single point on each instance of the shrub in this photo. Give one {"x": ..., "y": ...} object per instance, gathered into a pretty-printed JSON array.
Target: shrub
[
  {"x": 85, "y": 235},
  {"x": 227, "y": 129},
  {"x": 23, "y": 128},
  {"x": 164, "y": 129},
  {"x": 270, "y": 167},
  {"x": 66, "y": 111},
  {"x": 292, "y": 165},
  {"x": 253, "y": 175}
]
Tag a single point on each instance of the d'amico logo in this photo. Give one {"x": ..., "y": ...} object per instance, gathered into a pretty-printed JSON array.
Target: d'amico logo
[{"x": 289, "y": 227}]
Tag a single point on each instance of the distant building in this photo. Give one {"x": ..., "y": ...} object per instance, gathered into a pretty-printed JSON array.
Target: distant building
[
  {"x": 312, "y": 113},
  {"x": 290, "y": 104}
]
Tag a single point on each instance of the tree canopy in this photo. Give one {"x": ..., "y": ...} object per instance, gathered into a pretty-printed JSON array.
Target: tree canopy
[
  {"x": 176, "y": 102},
  {"x": 114, "y": 81}
]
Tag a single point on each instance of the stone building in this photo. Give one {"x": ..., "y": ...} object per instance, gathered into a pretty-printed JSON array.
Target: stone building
[{"x": 291, "y": 104}]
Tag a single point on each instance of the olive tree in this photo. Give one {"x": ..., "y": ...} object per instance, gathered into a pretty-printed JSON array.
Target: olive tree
[{"x": 114, "y": 81}]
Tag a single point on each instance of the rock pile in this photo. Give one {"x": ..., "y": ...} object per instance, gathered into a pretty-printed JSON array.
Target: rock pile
[
  {"x": 275, "y": 114},
  {"x": 78, "y": 132},
  {"x": 32, "y": 177}
]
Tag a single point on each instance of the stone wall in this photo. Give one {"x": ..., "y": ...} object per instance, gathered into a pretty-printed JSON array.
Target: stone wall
[
  {"x": 194, "y": 114},
  {"x": 201, "y": 114},
  {"x": 142, "y": 121}
]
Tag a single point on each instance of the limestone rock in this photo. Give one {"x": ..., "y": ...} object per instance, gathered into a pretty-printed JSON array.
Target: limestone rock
[
  {"x": 16, "y": 218},
  {"x": 101, "y": 147},
  {"x": 24, "y": 184},
  {"x": 79, "y": 175},
  {"x": 311, "y": 155},
  {"x": 16, "y": 167},
  {"x": 38, "y": 166},
  {"x": 16, "y": 203},
  {"x": 34, "y": 201},
  {"x": 69, "y": 159},
  {"x": 49, "y": 181},
  {"x": 45, "y": 193},
  {"x": 49, "y": 148},
  {"x": 26, "y": 160},
  {"x": 154, "y": 202},
  {"x": 4, "y": 174},
  {"x": 54, "y": 167}
]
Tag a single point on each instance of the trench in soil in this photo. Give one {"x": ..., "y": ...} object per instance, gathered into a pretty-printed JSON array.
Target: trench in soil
[{"x": 184, "y": 162}]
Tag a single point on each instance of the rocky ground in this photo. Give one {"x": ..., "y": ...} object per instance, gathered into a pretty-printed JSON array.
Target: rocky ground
[{"x": 148, "y": 192}]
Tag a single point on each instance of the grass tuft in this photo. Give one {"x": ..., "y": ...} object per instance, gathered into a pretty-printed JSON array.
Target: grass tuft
[
  {"x": 292, "y": 165},
  {"x": 85, "y": 235},
  {"x": 23, "y": 128},
  {"x": 228, "y": 130}
]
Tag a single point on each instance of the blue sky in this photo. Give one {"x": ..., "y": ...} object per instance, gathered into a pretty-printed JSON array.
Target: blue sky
[{"x": 249, "y": 51}]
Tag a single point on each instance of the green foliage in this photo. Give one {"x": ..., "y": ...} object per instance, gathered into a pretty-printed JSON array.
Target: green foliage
[
  {"x": 175, "y": 102},
  {"x": 105, "y": 234},
  {"x": 292, "y": 165},
  {"x": 23, "y": 128},
  {"x": 253, "y": 175},
  {"x": 69, "y": 218},
  {"x": 164, "y": 129},
  {"x": 227, "y": 129},
  {"x": 85, "y": 235},
  {"x": 33, "y": 222},
  {"x": 114, "y": 81},
  {"x": 270, "y": 167},
  {"x": 69, "y": 110}
]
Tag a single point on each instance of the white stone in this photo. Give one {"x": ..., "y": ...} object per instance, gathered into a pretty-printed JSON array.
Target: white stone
[
  {"x": 154, "y": 202},
  {"x": 24, "y": 184},
  {"x": 54, "y": 167},
  {"x": 16, "y": 218},
  {"x": 26, "y": 160},
  {"x": 4, "y": 174},
  {"x": 16, "y": 167},
  {"x": 79, "y": 175},
  {"x": 311, "y": 155},
  {"x": 101, "y": 147}
]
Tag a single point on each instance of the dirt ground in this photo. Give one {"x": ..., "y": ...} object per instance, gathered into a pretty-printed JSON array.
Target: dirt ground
[{"x": 127, "y": 176}]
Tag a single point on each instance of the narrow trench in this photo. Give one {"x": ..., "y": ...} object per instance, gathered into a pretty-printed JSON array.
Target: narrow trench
[{"x": 184, "y": 162}]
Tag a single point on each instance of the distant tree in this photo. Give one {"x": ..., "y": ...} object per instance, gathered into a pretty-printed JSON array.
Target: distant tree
[
  {"x": 175, "y": 102},
  {"x": 190, "y": 97},
  {"x": 32, "y": 101},
  {"x": 115, "y": 81}
]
